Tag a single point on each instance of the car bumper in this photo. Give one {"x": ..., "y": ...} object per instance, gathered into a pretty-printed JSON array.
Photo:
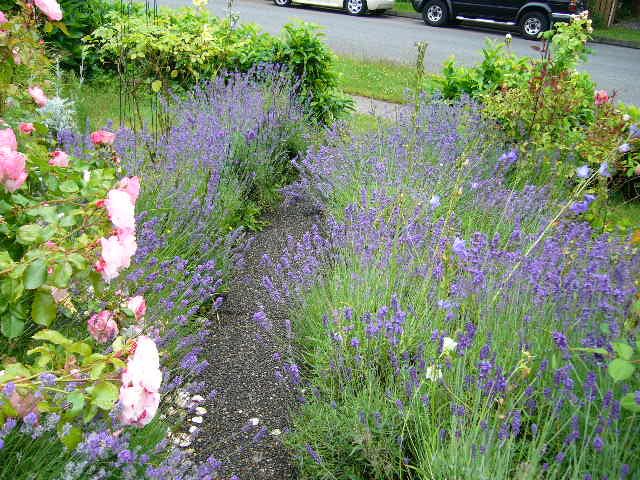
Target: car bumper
[
  {"x": 380, "y": 4},
  {"x": 563, "y": 17}
]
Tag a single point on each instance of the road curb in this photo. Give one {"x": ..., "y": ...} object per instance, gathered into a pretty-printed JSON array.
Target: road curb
[{"x": 595, "y": 39}]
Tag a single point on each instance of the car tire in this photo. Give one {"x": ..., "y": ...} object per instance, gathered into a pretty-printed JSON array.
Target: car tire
[
  {"x": 435, "y": 13},
  {"x": 282, "y": 3},
  {"x": 532, "y": 24},
  {"x": 356, "y": 7}
]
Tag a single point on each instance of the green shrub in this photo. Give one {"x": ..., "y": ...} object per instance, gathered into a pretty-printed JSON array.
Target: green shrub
[
  {"x": 499, "y": 68},
  {"x": 549, "y": 109},
  {"x": 81, "y": 17},
  {"x": 180, "y": 48}
]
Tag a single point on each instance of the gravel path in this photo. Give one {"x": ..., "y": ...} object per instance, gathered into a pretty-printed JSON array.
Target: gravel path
[
  {"x": 379, "y": 108},
  {"x": 242, "y": 369}
]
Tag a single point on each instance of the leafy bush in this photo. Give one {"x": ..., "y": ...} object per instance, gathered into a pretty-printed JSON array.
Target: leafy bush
[
  {"x": 553, "y": 112},
  {"x": 80, "y": 374},
  {"x": 180, "y": 48},
  {"x": 81, "y": 18}
]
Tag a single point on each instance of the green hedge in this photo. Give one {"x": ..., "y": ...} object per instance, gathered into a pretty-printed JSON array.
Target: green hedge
[{"x": 179, "y": 48}]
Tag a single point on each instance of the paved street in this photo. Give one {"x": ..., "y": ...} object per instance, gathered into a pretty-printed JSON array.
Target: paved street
[{"x": 393, "y": 38}]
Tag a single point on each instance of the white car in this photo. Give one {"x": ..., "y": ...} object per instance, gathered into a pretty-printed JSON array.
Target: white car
[{"x": 353, "y": 7}]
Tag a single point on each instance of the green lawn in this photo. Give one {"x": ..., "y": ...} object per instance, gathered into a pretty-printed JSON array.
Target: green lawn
[
  {"x": 404, "y": 7},
  {"x": 379, "y": 79},
  {"x": 618, "y": 33}
]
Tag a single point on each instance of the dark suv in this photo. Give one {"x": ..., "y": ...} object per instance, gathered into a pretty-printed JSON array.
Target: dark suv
[{"x": 533, "y": 17}]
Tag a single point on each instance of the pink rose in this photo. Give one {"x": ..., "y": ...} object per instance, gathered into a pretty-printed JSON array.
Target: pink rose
[
  {"x": 50, "y": 8},
  {"x": 103, "y": 327},
  {"x": 8, "y": 139},
  {"x": 59, "y": 159},
  {"x": 138, "y": 306},
  {"x": 141, "y": 380},
  {"x": 38, "y": 96},
  {"x": 602, "y": 97},
  {"x": 121, "y": 210},
  {"x": 3, "y": 18},
  {"x": 102, "y": 137},
  {"x": 116, "y": 255},
  {"x": 131, "y": 185},
  {"x": 27, "y": 128},
  {"x": 12, "y": 169}
]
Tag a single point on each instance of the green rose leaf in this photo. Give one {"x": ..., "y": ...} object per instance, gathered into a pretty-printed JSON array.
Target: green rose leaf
[
  {"x": 80, "y": 348},
  {"x": 628, "y": 402},
  {"x": 62, "y": 274},
  {"x": 35, "y": 274},
  {"x": 52, "y": 336},
  {"x": 72, "y": 438},
  {"x": 28, "y": 234},
  {"x": 76, "y": 398},
  {"x": 97, "y": 370},
  {"x": 620, "y": 369},
  {"x": 11, "y": 326},
  {"x": 104, "y": 395},
  {"x": 623, "y": 350},
  {"x": 5, "y": 260},
  {"x": 77, "y": 260},
  {"x": 69, "y": 186},
  {"x": 43, "y": 309}
]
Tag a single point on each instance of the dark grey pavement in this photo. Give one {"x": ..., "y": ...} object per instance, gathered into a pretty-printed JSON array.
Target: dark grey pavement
[{"x": 393, "y": 38}]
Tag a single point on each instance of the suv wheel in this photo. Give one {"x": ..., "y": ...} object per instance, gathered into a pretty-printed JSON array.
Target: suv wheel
[
  {"x": 282, "y": 3},
  {"x": 435, "y": 13},
  {"x": 533, "y": 24},
  {"x": 356, "y": 7}
]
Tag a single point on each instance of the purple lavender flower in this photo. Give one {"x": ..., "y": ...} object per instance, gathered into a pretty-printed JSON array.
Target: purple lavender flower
[
  {"x": 560, "y": 340},
  {"x": 583, "y": 172},
  {"x": 459, "y": 247},
  {"x": 598, "y": 443},
  {"x": 434, "y": 201},
  {"x": 603, "y": 171},
  {"x": 31, "y": 418},
  {"x": 316, "y": 457},
  {"x": 9, "y": 388},
  {"x": 624, "y": 148},
  {"x": 48, "y": 379}
]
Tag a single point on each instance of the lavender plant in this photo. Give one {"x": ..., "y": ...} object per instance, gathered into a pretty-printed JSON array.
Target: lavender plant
[
  {"x": 206, "y": 179},
  {"x": 448, "y": 325}
]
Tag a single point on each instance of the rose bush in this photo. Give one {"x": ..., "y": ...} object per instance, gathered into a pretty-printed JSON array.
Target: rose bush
[{"x": 67, "y": 227}]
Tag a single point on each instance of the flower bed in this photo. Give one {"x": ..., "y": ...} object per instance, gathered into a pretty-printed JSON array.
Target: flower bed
[
  {"x": 448, "y": 325},
  {"x": 113, "y": 251}
]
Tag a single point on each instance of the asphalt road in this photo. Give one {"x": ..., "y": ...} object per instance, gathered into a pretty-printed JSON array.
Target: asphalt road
[{"x": 394, "y": 38}]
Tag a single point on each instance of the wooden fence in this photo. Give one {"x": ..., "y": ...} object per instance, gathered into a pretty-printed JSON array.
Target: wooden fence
[{"x": 606, "y": 10}]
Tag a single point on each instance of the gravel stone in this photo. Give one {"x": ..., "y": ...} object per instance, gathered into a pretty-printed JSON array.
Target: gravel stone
[{"x": 242, "y": 368}]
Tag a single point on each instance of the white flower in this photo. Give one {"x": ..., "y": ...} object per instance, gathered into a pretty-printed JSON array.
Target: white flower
[
  {"x": 434, "y": 374},
  {"x": 448, "y": 345},
  {"x": 626, "y": 117}
]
